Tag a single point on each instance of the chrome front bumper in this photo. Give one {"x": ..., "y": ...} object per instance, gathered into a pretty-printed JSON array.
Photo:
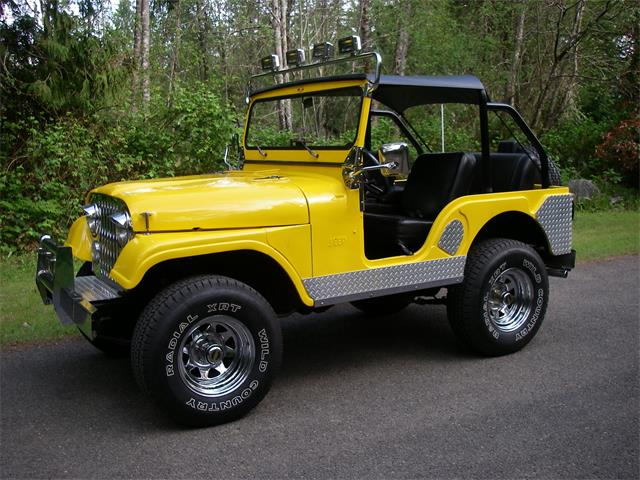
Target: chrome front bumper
[{"x": 72, "y": 297}]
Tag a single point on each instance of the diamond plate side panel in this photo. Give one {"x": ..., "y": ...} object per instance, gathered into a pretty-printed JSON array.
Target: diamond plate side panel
[
  {"x": 451, "y": 237},
  {"x": 385, "y": 280},
  {"x": 555, "y": 217}
]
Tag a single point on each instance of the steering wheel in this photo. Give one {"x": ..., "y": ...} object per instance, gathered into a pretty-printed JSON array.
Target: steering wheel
[{"x": 375, "y": 183}]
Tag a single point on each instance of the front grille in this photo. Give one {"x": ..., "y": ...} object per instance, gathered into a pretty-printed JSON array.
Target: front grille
[{"x": 106, "y": 248}]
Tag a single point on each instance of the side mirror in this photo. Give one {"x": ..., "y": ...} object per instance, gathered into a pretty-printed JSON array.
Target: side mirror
[{"x": 395, "y": 153}]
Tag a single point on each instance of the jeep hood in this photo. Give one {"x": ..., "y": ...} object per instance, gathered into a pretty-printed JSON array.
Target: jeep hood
[{"x": 208, "y": 202}]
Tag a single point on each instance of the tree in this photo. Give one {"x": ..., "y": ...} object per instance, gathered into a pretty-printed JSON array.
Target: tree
[
  {"x": 402, "y": 43},
  {"x": 141, "y": 48},
  {"x": 279, "y": 15}
]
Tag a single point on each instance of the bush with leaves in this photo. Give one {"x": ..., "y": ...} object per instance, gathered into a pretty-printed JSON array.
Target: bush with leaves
[
  {"x": 621, "y": 150},
  {"x": 45, "y": 179}
]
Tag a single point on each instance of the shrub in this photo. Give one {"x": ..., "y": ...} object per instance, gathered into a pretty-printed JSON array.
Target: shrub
[
  {"x": 621, "y": 150},
  {"x": 572, "y": 143},
  {"x": 48, "y": 168}
]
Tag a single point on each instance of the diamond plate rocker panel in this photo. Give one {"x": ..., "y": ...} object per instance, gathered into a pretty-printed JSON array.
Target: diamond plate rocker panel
[
  {"x": 344, "y": 287},
  {"x": 451, "y": 237},
  {"x": 555, "y": 217}
]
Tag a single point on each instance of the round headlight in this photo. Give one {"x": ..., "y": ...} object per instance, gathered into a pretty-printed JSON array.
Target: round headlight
[
  {"x": 95, "y": 252},
  {"x": 123, "y": 235},
  {"x": 124, "y": 230},
  {"x": 93, "y": 218},
  {"x": 92, "y": 223}
]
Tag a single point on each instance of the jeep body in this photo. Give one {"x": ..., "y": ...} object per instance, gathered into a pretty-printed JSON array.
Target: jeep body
[{"x": 316, "y": 215}]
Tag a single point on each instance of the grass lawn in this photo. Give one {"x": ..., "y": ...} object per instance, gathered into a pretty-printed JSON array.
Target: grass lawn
[
  {"x": 599, "y": 235},
  {"x": 23, "y": 317}
]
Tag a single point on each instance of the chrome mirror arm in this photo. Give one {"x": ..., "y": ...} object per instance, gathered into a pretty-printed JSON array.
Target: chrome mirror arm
[{"x": 382, "y": 166}]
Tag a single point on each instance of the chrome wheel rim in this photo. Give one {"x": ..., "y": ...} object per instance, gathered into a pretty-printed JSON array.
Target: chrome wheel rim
[
  {"x": 216, "y": 356},
  {"x": 509, "y": 300}
]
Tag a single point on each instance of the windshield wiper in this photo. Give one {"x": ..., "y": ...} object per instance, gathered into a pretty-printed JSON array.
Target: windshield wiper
[
  {"x": 261, "y": 152},
  {"x": 302, "y": 143}
]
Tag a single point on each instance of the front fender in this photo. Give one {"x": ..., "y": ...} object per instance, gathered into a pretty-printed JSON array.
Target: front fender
[
  {"x": 79, "y": 239},
  {"x": 146, "y": 251}
]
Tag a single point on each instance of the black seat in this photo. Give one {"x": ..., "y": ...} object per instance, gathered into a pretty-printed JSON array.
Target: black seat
[
  {"x": 435, "y": 180},
  {"x": 509, "y": 172},
  {"x": 513, "y": 171}
]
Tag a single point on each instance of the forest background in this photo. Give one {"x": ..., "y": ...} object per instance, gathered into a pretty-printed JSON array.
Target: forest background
[{"x": 93, "y": 92}]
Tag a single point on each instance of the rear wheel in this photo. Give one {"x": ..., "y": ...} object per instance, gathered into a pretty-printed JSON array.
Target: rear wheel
[
  {"x": 501, "y": 304},
  {"x": 207, "y": 349}
]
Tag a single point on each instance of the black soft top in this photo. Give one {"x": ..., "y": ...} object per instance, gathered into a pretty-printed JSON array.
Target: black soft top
[{"x": 401, "y": 92}]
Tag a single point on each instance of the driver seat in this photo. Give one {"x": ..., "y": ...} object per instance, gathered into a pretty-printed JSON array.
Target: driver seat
[{"x": 435, "y": 180}]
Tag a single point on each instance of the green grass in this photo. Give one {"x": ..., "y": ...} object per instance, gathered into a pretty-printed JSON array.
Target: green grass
[
  {"x": 24, "y": 319},
  {"x": 599, "y": 235}
]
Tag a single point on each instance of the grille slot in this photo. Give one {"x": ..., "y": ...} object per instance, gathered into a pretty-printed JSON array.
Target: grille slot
[{"x": 109, "y": 249}]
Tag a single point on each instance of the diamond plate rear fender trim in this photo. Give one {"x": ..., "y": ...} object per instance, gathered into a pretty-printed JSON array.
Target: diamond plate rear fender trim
[
  {"x": 376, "y": 282},
  {"x": 554, "y": 215},
  {"x": 451, "y": 237}
]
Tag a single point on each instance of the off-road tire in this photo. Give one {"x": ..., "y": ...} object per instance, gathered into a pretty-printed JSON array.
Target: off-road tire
[
  {"x": 554, "y": 173},
  {"x": 206, "y": 349},
  {"x": 501, "y": 304}
]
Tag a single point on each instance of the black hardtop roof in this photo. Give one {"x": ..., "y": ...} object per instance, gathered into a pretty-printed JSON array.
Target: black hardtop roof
[{"x": 400, "y": 92}]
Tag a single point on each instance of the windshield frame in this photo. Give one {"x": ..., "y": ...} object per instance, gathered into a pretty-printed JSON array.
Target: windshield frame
[{"x": 330, "y": 154}]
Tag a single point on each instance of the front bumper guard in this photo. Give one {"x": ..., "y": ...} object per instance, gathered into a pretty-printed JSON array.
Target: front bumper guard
[{"x": 72, "y": 297}]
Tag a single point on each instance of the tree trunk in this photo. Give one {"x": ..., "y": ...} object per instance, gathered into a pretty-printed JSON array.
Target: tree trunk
[
  {"x": 570, "y": 97},
  {"x": 554, "y": 92},
  {"x": 175, "y": 53},
  {"x": 517, "y": 57},
  {"x": 145, "y": 52},
  {"x": 202, "y": 42},
  {"x": 402, "y": 43},
  {"x": 137, "y": 48},
  {"x": 279, "y": 24},
  {"x": 365, "y": 7}
]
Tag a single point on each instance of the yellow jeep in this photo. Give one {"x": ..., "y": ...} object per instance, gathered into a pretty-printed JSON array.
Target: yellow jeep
[{"x": 350, "y": 187}]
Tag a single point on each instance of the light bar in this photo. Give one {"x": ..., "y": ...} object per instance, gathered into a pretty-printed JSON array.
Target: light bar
[
  {"x": 270, "y": 63},
  {"x": 350, "y": 45},
  {"x": 322, "y": 51},
  {"x": 295, "y": 57}
]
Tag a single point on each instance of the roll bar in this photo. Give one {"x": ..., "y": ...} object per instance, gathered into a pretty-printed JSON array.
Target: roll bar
[{"x": 544, "y": 160}]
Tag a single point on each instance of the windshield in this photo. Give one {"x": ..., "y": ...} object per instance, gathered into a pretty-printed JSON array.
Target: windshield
[{"x": 319, "y": 120}]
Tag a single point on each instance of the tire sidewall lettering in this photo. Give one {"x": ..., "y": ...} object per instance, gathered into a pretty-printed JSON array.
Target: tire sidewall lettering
[
  {"x": 533, "y": 319},
  {"x": 219, "y": 406},
  {"x": 245, "y": 391},
  {"x": 529, "y": 265},
  {"x": 532, "y": 268}
]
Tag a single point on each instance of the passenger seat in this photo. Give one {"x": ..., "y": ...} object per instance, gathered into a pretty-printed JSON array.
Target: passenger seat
[{"x": 435, "y": 180}]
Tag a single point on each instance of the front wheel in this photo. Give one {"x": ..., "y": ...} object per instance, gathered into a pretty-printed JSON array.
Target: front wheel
[
  {"x": 500, "y": 305},
  {"x": 207, "y": 349}
]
